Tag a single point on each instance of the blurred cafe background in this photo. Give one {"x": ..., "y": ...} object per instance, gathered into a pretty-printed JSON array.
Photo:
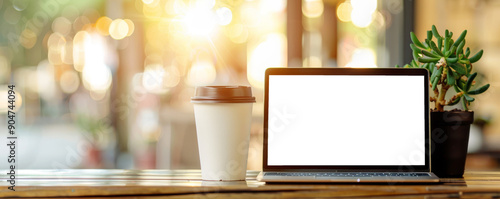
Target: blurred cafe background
[{"x": 107, "y": 84}]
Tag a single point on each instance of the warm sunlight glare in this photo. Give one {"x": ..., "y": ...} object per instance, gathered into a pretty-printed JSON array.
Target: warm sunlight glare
[
  {"x": 200, "y": 22},
  {"x": 201, "y": 73},
  {"x": 362, "y": 12},
  {"x": 96, "y": 77},
  {"x": 269, "y": 53},
  {"x": 224, "y": 16}
]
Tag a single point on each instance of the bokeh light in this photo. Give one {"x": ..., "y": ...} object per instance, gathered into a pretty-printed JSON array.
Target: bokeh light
[
  {"x": 118, "y": 29},
  {"x": 97, "y": 95},
  {"x": 79, "y": 42},
  {"x": 56, "y": 45},
  {"x": 251, "y": 15},
  {"x": 20, "y": 5},
  {"x": 70, "y": 12},
  {"x": 61, "y": 25},
  {"x": 172, "y": 76},
  {"x": 200, "y": 22},
  {"x": 45, "y": 80},
  {"x": 4, "y": 68},
  {"x": 150, "y": 2},
  {"x": 11, "y": 15},
  {"x": 69, "y": 82},
  {"x": 131, "y": 26},
  {"x": 89, "y": 56},
  {"x": 96, "y": 77},
  {"x": 344, "y": 12},
  {"x": 204, "y": 4},
  {"x": 201, "y": 73},
  {"x": 224, "y": 16},
  {"x": 273, "y": 6},
  {"x": 28, "y": 38},
  {"x": 80, "y": 22},
  {"x": 363, "y": 58},
  {"x": 175, "y": 7},
  {"x": 361, "y": 18},
  {"x": 152, "y": 10},
  {"x": 102, "y": 25},
  {"x": 148, "y": 122},
  {"x": 92, "y": 14},
  {"x": 269, "y": 53},
  {"x": 237, "y": 33},
  {"x": 152, "y": 79},
  {"x": 312, "y": 62},
  {"x": 381, "y": 20},
  {"x": 176, "y": 26},
  {"x": 366, "y": 5},
  {"x": 29, "y": 75},
  {"x": 362, "y": 12},
  {"x": 4, "y": 94},
  {"x": 67, "y": 52}
]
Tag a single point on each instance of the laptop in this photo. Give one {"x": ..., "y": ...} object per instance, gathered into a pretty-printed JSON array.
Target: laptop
[{"x": 346, "y": 125}]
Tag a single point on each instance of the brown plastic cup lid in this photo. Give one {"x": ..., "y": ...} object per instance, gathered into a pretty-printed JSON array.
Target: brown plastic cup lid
[{"x": 223, "y": 94}]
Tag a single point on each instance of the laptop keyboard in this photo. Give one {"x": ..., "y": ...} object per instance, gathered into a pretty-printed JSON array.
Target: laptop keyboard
[{"x": 347, "y": 174}]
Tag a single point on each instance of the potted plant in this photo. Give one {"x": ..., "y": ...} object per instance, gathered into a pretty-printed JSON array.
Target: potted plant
[{"x": 451, "y": 68}]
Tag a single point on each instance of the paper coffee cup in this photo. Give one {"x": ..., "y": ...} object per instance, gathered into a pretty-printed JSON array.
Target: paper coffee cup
[{"x": 223, "y": 116}]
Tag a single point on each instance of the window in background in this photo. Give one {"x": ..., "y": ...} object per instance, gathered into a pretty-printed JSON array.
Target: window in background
[
  {"x": 476, "y": 17},
  {"x": 107, "y": 84}
]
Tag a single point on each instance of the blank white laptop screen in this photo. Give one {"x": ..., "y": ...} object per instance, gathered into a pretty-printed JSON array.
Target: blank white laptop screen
[{"x": 346, "y": 120}]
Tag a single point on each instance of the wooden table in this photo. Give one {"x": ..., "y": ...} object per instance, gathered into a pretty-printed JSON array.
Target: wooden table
[{"x": 187, "y": 184}]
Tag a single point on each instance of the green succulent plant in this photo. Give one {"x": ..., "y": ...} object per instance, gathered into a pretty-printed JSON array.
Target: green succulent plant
[{"x": 450, "y": 66}]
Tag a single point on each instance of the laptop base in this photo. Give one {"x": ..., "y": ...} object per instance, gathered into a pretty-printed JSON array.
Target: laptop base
[{"x": 348, "y": 177}]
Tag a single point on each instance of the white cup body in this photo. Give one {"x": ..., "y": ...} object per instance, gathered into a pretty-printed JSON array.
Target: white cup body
[{"x": 223, "y": 131}]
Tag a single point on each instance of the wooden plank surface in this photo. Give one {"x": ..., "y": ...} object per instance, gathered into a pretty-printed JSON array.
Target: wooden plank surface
[{"x": 187, "y": 184}]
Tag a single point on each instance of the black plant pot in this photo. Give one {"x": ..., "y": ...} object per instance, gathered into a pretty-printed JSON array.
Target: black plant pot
[{"x": 450, "y": 138}]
